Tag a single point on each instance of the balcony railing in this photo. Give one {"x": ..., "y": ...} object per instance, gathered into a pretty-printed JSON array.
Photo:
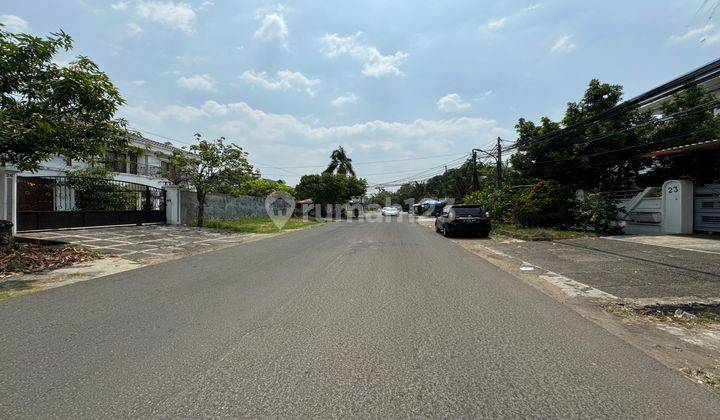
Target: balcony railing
[{"x": 143, "y": 169}]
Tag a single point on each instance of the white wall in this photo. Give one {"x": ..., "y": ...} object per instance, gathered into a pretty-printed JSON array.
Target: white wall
[{"x": 57, "y": 166}]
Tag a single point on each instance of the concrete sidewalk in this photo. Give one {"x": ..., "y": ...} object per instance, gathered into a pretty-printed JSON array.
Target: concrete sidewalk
[
  {"x": 699, "y": 243},
  {"x": 147, "y": 242}
]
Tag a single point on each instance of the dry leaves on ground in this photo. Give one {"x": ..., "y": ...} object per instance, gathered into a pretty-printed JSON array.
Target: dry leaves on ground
[{"x": 31, "y": 258}]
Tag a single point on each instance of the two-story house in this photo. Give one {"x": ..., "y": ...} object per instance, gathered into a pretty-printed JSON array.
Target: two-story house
[{"x": 145, "y": 165}]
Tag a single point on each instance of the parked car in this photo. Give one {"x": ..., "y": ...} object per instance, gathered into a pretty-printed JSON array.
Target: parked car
[
  {"x": 390, "y": 211},
  {"x": 465, "y": 218}
]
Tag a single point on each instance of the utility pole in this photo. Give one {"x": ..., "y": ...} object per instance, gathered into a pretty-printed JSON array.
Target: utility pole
[
  {"x": 474, "y": 169},
  {"x": 498, "y": 163}
]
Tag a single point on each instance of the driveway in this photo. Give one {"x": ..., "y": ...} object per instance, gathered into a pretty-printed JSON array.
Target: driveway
[
  {"x": 344, "y": 320},
  {"x": 147, "y": 242},
  {"x": 633, "y": 267}
]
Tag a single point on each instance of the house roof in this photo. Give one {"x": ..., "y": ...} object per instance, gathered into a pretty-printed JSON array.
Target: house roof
[
  {"x": 153, "y": 143},
  {"x": 685, "y": 149}
]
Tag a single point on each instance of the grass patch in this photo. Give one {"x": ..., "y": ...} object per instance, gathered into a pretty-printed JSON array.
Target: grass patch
[
  {"x": 537, "y": 234},
  {"x": 258, "y": 224}
]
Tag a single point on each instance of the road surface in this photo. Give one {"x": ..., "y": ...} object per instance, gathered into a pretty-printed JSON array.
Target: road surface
[{"x": 348, "y": 319}]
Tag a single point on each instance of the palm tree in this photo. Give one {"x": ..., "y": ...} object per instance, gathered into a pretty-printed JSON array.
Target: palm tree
[{"x": 340, "y": 163}]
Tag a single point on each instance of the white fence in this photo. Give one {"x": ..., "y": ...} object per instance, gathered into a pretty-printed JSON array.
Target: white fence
[
  {"x": 659, "y": 210},
  {"x": 643, "y": 212}
]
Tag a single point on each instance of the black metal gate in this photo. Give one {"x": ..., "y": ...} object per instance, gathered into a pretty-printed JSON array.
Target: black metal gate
[{"x": 74, "y": 201}]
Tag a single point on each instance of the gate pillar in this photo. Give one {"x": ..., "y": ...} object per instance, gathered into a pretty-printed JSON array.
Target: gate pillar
[
  {"x": 677, "y": 202},
  {"x": 172, "y": 204},
  {"x": 8, "y": 195}
]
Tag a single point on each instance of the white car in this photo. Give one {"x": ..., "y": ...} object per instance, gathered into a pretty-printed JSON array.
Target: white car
[{"x": 390, "y": 211}]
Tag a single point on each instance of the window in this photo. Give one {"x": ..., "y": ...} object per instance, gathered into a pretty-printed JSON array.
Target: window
[
  {"x": 116, "y": 162},
  {"x": 468, "y": 211},
  {"x": 168, "y": 170},
  {"x": 133, "y": 163}
]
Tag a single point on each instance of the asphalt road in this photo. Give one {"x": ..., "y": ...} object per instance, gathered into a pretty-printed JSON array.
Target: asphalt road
[{"x": 349, "y": 319}]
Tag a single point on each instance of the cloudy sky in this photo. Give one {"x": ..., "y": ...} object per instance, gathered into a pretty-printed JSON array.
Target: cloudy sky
[{"x": 418, "y": 83}]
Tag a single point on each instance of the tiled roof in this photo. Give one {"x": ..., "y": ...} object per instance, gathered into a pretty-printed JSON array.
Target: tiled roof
[{"x": 140, "y": 139}]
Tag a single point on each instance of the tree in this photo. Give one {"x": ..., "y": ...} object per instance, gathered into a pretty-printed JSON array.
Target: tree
[
  {"x": 340, "y": 163},
  {"x": 211, "y": 166},
  {"x": 382, "y": 198},
  {"x": 47, "y": 109},
  {"x": 695, "y": 122},
  {"x": 582, "y": 155},
  {"x": 330, "y": 189},
  {"x": 262, "y": 188}
]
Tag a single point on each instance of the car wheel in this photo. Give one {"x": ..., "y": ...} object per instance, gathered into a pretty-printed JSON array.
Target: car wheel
[
  {"x": 484, "y": 234},
  {"x": 445, "y": 232}
]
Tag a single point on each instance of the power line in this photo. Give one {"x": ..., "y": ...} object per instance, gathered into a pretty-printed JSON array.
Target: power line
[
  {"x": 573, "y": 160},
  {"x": 693, "y": 78},
  {"x": 656, "y": 121},
  {"x": 422, "y": 173}
]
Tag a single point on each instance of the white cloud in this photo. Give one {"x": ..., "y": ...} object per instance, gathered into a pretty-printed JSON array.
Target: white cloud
[
  {"x": 374, "y": 63},
  {"x": 501, "y": 22},
  {"x": 240, "y": 120},
  {"x": 285, "y": 80},
  {"x": 201, "y": 82},
  {"x": 706, "y": 35},
  {"x": 497, "y": 23},
  {"x": 452, "y": 102},
  {"x": 344, "y": 100},
  {"x": 134, "y": 28},
  {"x": 14, "y": 23},
  {"x": 121, "y": 5},
  {"x": 179, "y": 16},
  {"x": 563, "y": 45},
  {"x": 285, "y": 139},
  {"x": 272, "y": 26},
  {"x": 207, "y": 4}
]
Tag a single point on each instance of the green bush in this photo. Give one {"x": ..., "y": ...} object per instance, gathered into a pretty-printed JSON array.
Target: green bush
[
  {"x": 499, "y": 201},
  {"x": 546, "y": 204},
  {"x": 598, "y": 212}
]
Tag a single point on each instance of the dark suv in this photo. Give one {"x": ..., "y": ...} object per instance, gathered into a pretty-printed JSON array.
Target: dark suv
[{"x": 465, "y": 218}]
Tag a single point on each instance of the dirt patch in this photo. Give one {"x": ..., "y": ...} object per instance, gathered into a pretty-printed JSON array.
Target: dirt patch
[
  {"x": 26, "y": 258},
  {"x": 704, "y": 377},
  {"x": 682, "y": 314}
]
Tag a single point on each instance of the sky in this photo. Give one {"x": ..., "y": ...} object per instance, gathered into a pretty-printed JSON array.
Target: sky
[{"x": 406, "y": 87}]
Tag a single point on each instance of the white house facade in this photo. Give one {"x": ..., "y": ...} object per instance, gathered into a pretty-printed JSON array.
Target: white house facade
[{"x": 145, "y": 165}]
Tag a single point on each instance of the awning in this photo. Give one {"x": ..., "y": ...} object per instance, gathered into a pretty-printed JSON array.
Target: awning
[{"x": 685, "y": 149}]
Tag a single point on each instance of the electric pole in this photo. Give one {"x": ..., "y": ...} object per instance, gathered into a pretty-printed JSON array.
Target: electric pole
[
  {"x": 474, "y": 169},
  {"x": 498, "y": 163}
]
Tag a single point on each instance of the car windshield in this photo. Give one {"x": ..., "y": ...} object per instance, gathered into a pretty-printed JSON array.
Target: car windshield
[{"x": 468, "y": 211}]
